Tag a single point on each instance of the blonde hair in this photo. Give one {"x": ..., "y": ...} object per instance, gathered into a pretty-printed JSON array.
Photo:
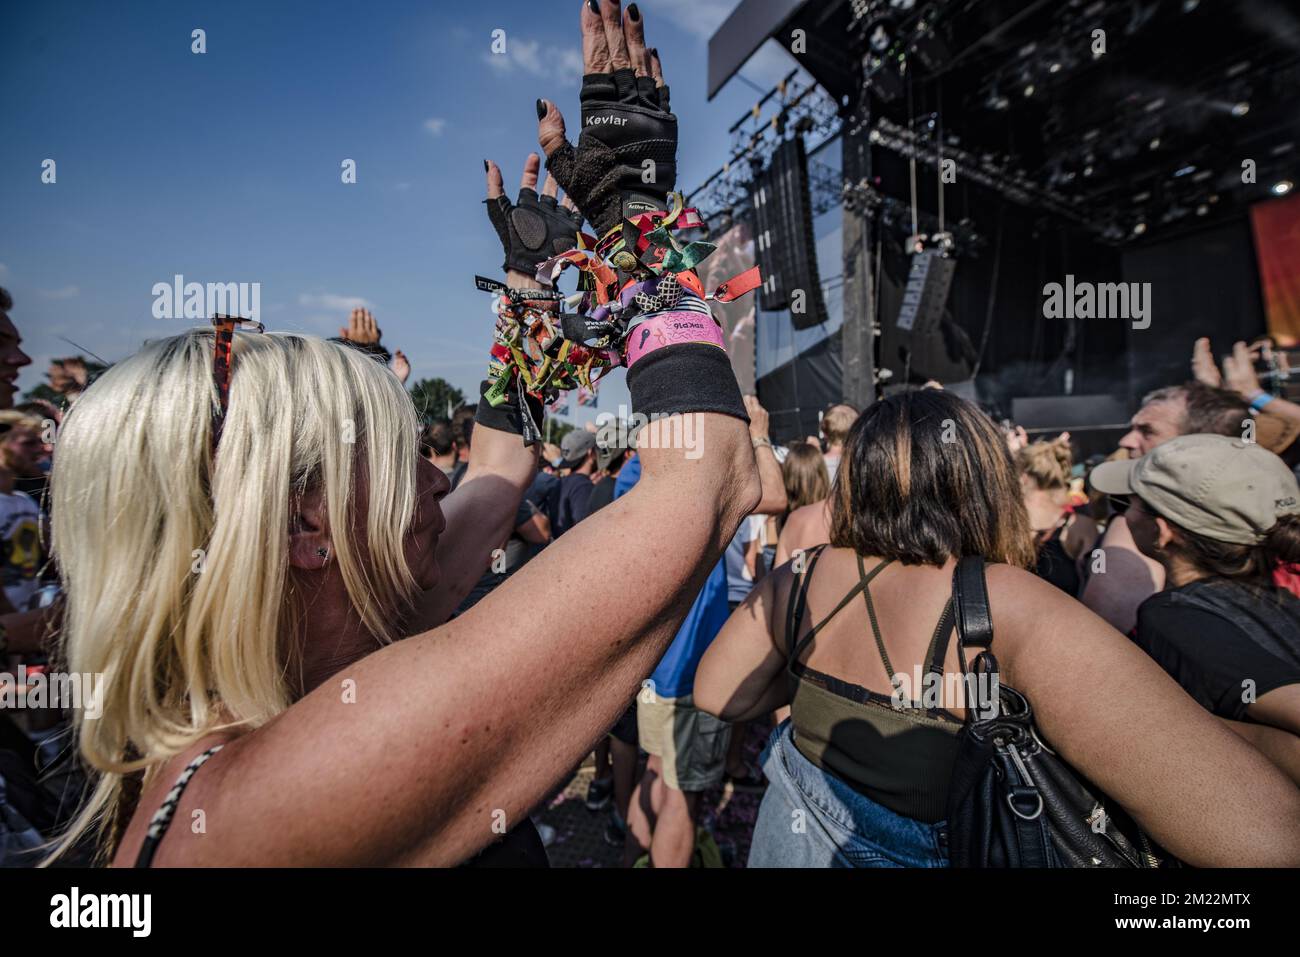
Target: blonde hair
[
  {"x": 20, "y": 420},
  {"x": 1048, "y": 464},
  {"x": 175, "y": 567},
  {"x": 836, "y": 422}
]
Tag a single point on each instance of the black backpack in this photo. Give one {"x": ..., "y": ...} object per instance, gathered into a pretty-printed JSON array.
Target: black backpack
[{"x": 1014, "y": 802}]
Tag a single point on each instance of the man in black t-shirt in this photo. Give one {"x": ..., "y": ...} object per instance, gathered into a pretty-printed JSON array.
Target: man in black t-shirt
[
  {"x": 578, "y": 451},
  {"x": 610, "y": 456}
]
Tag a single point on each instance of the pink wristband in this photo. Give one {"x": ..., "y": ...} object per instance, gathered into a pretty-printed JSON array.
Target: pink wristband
[{"x": 670, "y": 329}]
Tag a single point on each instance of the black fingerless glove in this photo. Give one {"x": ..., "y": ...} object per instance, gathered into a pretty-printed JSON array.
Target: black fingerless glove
[
  {"x": 625, "y": 121},
  {"x": 532, "y": 230}
]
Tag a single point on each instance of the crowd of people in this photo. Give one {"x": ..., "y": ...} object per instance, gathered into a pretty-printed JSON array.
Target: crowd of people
[{"x": 391, "y": 644}]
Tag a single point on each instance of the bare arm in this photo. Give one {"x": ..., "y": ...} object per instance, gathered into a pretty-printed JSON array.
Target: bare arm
[
  {"x": 1114, "y": 714},
  {"x": 471, "y": 725},
  {"x": 1279, "y": 708},
  {"x": 535, "y": 531},
  {"x": 1129, "y": 578},
  {"x": 480, "y": 514},
  {"x": 1280, "y": 747},
  {"x": 742, "y": 674},
  {"x": 753, "y": 550},
  {"x": 773, "y": 501}
]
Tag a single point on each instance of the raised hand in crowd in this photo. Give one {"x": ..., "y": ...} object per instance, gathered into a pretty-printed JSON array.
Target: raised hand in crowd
[
  {"x": 627, "y": 162},
  {"x": 773, "y": 501},
  {"x": 401, "y": 366},
  {"x": 361, "y": 328},
  {"x": 1278, "y": 418},
  {"x": 533, "y": 228}
]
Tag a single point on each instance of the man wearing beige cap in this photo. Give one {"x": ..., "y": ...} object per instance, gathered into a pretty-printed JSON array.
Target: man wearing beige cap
[{"x": 1218, "y": 514}]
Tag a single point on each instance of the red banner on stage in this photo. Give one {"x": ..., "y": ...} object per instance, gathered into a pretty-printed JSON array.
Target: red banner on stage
[{"x": 1276, "y": 224}]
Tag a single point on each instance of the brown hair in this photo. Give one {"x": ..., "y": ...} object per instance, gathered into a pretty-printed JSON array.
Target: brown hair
[
  {"x": 1250, "y": 565},
  {"x": 1206, "y": 409},
  {"x": 926, "y": 477},
  {"x": 805, "y": 476}
]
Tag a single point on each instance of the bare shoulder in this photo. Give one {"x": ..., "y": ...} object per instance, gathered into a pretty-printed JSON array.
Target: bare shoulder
[
  {"x": 176, "y": 850},
  {"x": 807, "y": 526},
  {"x": 1024, "y": 605}
]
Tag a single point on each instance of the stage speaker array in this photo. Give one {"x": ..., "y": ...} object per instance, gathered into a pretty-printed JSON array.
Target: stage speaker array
[
  {"x": 783, "y": 238},
  {"x": 928, "y": 283}
]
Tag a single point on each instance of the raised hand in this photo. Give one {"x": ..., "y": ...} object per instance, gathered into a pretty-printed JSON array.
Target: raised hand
[
  {"x": 1203, "y": 367},
  {"x": 625, "y": 162},
  {"x": 1239, "y": 369},
  {"x": 534, "y": 228},
  {"x": 401, "y": 366},
  {"x": 361, "y": 328}
]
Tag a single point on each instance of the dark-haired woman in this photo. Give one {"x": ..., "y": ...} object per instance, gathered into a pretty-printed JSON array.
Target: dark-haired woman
[
  {"x": 1219, "y": 514},
  {"x": 859, "y": 775}
]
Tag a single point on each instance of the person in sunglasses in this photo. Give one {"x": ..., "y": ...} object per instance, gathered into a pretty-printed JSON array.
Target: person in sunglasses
[
  {"x": 242, "y": 598},
  {"x": 1218, "y": 514}
]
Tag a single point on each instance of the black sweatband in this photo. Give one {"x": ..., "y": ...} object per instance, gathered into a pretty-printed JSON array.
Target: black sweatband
[
  {"x": 509, "y": 416},
  {"x": 689, "y": 377}
]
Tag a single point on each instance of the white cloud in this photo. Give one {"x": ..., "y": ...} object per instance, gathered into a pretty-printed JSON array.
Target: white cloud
[
  {"x": 333, "y": 302},
  {"x": 699, "y": 17},
  {"x": 67, "y": 292},
  {"x": 435, "y": 125},
  {"x": 529, "y": 56}
]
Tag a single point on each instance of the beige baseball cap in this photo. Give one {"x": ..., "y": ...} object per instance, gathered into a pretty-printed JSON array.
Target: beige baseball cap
[{"x": 1223, "y": 488}]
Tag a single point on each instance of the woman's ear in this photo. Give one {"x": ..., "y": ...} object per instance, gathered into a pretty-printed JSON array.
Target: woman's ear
[
  {"x": 1165, "y": 535},
  {"x": 310, "y": 547}
]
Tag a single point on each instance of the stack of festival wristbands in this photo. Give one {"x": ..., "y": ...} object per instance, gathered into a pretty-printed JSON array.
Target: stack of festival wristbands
[{"x": 638, "y": 292}]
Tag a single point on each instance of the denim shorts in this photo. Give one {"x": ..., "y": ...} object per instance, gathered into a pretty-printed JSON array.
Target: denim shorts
[{"x": 811, "y": 818}]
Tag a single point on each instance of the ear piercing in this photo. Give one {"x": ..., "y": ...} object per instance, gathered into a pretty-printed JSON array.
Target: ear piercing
[{"x": 323, "y": 552}]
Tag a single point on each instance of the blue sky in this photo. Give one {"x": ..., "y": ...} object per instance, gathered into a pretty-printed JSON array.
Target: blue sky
[{"x": 225, "y": 167}]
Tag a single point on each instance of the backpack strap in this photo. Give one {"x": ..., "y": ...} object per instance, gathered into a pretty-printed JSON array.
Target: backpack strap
[{"x": 971, "y": 597}]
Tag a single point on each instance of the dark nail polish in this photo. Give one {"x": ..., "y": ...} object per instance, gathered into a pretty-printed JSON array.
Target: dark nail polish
[
  {"x": 485, "y": 166},
  {"x": 594, "y": 6},
  {"x": 541, "y": 109},
  {"x": 633, "y": 12}
]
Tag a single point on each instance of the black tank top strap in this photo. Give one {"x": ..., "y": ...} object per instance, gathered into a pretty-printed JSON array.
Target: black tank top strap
[
  {"x": 798, "y": 601},
  {"x": 162, "y": 819},
  {"x": 797, "y": 619},
  {"x": 864, "y": 582}
]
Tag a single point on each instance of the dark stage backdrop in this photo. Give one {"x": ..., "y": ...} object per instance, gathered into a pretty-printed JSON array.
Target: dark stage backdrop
[
  {"x": 1202, "y": 284},
  {"x": 993, "y": 319}
]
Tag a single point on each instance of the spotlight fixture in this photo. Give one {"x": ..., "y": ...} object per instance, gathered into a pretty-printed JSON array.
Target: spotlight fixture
[
  {"x": 1241, "y": 108},
  {"x": 1282, "y": 187},
  {"x": 1202, "y": 209},
  {"x": 1139, "y": 229}
]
